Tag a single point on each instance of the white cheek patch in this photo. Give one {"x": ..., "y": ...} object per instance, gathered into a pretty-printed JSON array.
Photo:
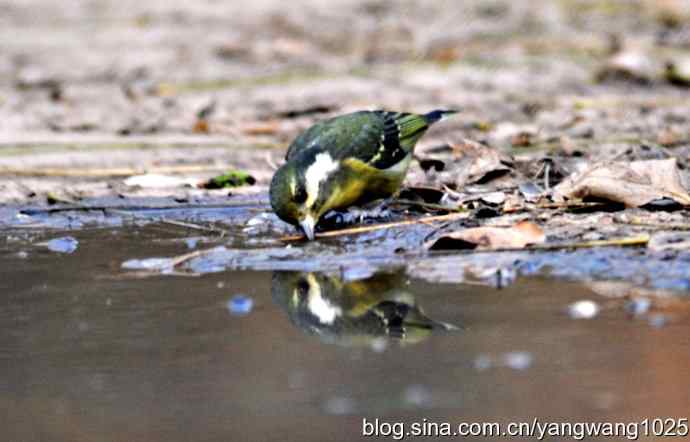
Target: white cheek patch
[
  {"x": 319, "y": 306},
  {"x": 317, "y": 173}
]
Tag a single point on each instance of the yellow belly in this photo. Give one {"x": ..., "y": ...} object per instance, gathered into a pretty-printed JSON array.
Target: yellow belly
[{"x": 361, "y": 183}]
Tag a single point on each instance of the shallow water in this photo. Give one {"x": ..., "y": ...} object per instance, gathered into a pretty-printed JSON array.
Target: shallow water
[{"x": 94, "y": 352}]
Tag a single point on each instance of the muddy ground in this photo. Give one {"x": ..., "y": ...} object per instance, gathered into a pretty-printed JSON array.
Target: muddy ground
[{"x": 132, "y": 104}]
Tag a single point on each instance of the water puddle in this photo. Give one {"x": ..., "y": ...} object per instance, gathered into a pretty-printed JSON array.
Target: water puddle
[{"x": 97, "y": 351}]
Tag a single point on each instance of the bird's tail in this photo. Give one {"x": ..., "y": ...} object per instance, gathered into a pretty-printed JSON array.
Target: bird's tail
[{"x": 438, "y": 115}]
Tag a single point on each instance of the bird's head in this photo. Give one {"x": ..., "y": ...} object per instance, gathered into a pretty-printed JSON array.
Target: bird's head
[{"x": 299, "y": 191}]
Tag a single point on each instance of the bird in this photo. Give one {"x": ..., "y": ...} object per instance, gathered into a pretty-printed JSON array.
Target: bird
[
  {"x": 345, "y": 161},
  {"x": 354, "y": 313}
]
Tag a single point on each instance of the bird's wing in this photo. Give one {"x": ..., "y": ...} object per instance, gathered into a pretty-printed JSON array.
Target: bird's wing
[
  {"x": 397, "y": 135},
  {"x": 380, "y": 139}
]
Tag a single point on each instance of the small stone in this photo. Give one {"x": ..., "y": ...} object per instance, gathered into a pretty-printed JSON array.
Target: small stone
[
  {"x": 66, "y": 244},
  {"x": 191, "y": 243},
  {"x": 638, "y": 306},
  {"x": 585, "y": 309},
  {"x": 339, "y": 406},
  {"x": 379, "y": 345},
  {"x": 518, "y": 360},
  {"x": 240, "y": 305},
  {"x": 417, "y": 396}
]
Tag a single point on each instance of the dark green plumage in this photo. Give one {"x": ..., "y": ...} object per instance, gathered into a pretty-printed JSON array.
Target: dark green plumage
[
  {"x": 362, "y": 135},
  {"x": 346, "y": 160},
  {"x": 354, "y": 313}
]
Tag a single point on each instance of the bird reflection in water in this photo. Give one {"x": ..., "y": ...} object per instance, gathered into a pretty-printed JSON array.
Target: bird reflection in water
[{"x": 368, "y": 312}]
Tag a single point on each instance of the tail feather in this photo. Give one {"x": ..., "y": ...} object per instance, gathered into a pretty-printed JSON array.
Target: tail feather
[{"x": 437, "y": 115}]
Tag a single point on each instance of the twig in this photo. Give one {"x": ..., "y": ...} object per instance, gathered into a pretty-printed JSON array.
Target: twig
[
  {"x": 374, "y": 227},
  {"x": 569, "y": 205},
  {"x": 194, "y": 226},
  {"x": 404, "y": 202},
  {"x": 181, "y": 259},
  {"x": 640, "y": 240},
  {"x": 662, "y": 226}
]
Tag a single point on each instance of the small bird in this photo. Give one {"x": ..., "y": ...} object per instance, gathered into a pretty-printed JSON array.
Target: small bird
[
  {"x": 348, "y": 160},
  {"x": 354, "y": 313}
]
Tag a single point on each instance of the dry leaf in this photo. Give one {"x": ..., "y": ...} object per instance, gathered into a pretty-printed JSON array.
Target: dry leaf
[
  {"x": 633, "y": 184},
  {"x": 478, "y": 163},
  {"x": 490, "y": 238}
]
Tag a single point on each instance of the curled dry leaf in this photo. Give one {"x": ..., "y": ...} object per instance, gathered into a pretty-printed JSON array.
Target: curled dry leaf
[
  {"x": 518, "y": 236},
  {"x": 478, "y": 163},
  {"x": 634, "y": 184}
]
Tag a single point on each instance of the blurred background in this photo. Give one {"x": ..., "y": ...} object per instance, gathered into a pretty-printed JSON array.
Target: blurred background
[
  {"x": 130, "y": 67},
  {"x": 224, "y": 80}
]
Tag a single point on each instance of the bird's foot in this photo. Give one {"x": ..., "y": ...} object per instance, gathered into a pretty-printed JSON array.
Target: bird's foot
[{"x": 356, "y": 215}]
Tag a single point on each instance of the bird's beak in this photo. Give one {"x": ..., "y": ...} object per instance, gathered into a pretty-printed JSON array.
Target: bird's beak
[{"x": 307, "y": 225}]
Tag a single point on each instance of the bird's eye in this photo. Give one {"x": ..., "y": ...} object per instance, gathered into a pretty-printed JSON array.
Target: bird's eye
[{"x": 300, "y": 195}]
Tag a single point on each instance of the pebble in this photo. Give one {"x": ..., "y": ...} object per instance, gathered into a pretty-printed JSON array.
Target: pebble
[
  {"x": 340, "y": 406},
  {"x": 65, "y": 244},
  {"x": 417, "y": 396},
  {"x": 584, "y": 309},
  {"x": 638, "y": 306},
  {"x": 518, "y": 360},
  {"x": 240, "y": 305},
  {"x": 191, "y": 243}
]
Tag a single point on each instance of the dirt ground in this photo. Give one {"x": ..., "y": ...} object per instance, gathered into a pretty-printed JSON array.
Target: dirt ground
[{"x": 92, "y": 92}]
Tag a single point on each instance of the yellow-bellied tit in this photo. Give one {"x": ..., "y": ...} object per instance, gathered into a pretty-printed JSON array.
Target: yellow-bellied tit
[
  {"x": 353, "y": 313},
  {"x": 348, "y": 160}
]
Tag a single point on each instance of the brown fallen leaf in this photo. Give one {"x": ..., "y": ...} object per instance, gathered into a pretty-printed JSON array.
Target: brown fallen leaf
[
  {"x": 490, "y": 238},
  {"x": 634, "y": 184},
  {"x": 477, "y": 163}
]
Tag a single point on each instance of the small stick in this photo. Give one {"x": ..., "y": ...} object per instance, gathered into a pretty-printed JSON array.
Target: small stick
[
  {"x": 662, "y": 226},
  {"x": 374, "y": 227},
  {"x": 195, "y": 226},
  {"x": 403, "y": 202},
  {"x": 639, "y": 240}
]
